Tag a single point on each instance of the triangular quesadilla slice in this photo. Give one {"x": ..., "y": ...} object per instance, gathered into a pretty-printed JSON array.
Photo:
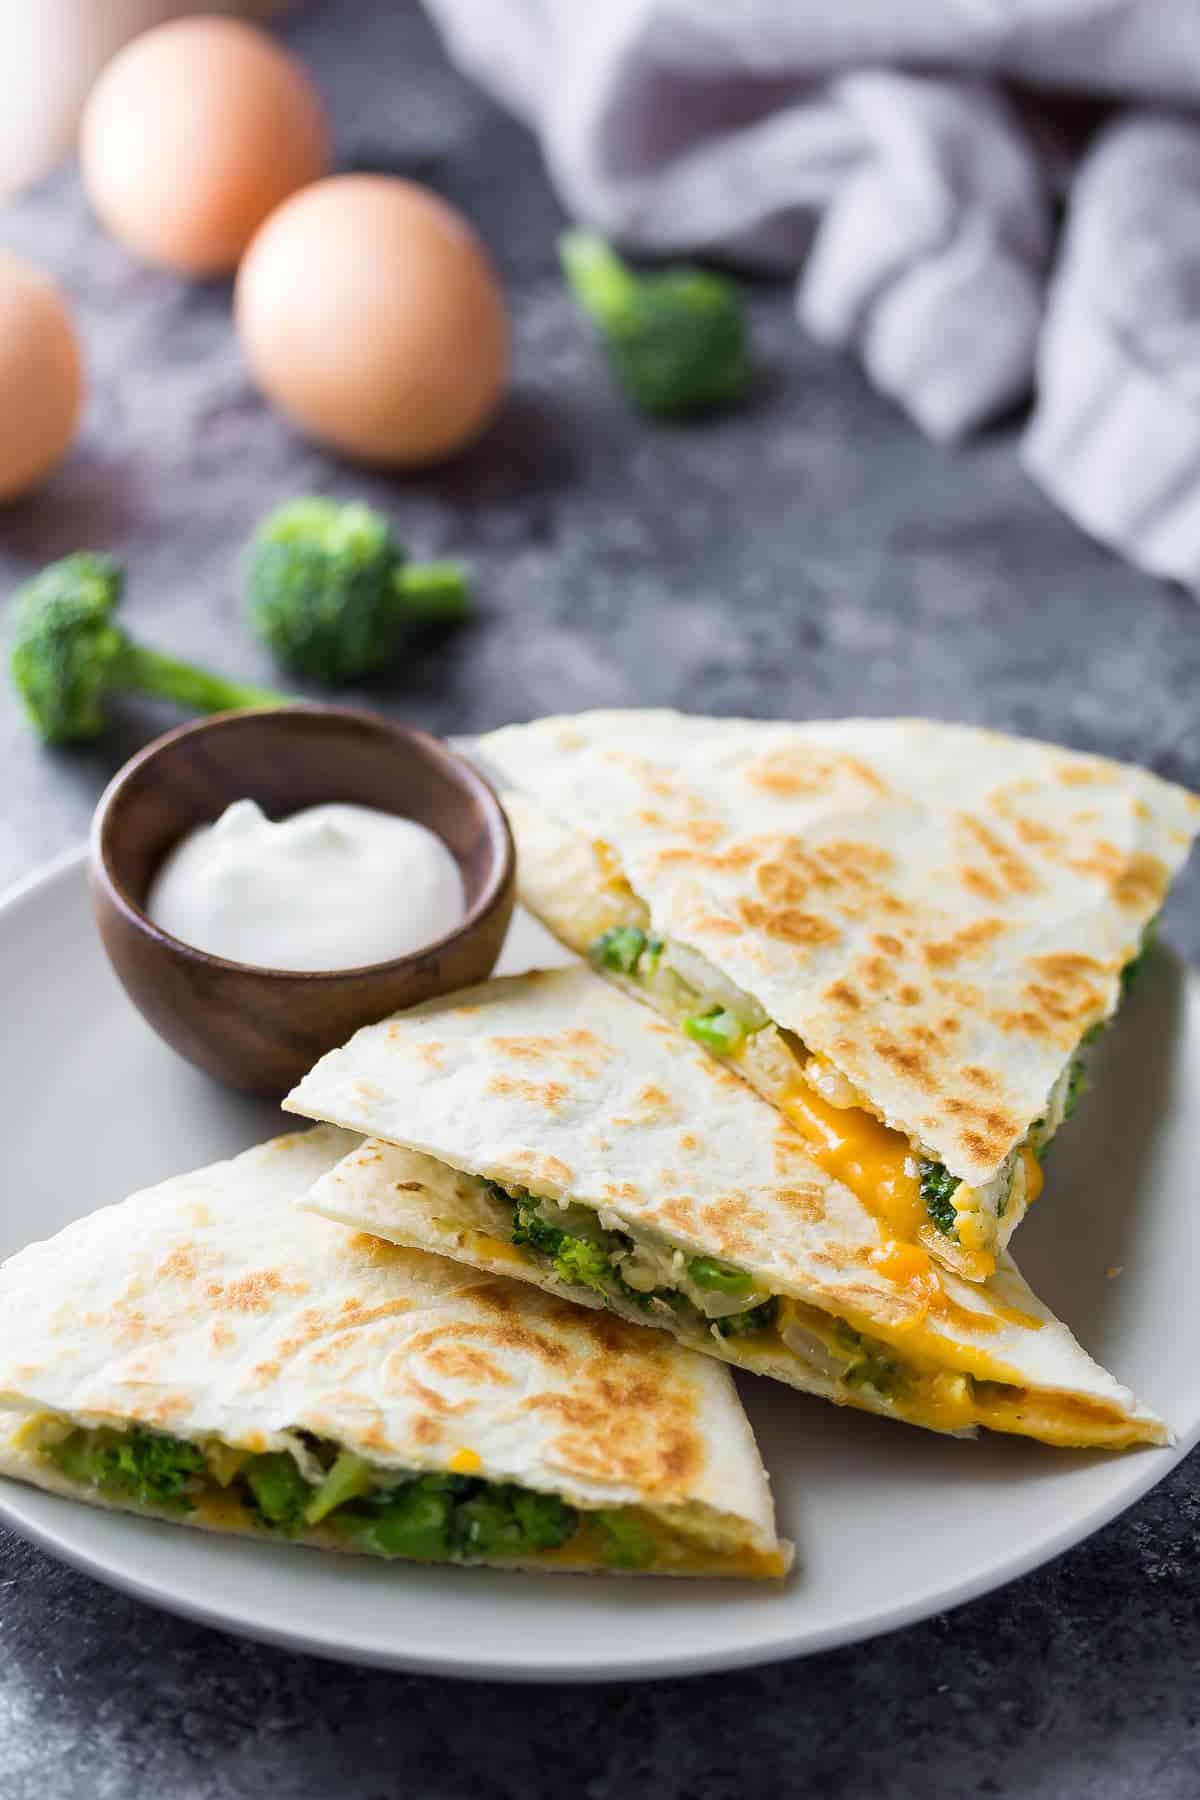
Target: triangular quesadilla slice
[
  {"x": 552, "y": 1128},
  {"x": 902, "y": 934},
  {"x": 209, "y": 1354}
]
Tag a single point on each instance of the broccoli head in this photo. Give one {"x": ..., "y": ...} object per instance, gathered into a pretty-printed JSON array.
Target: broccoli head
[
  {"x": 678, "y": 339},
  {"x": 439, "y": 1517},
  {"x": 68, "y": 654},
  {"x": 135, "y": 1467},
  {"x": 329, "y": 589},
  {"x": 937, "y": 1189}
]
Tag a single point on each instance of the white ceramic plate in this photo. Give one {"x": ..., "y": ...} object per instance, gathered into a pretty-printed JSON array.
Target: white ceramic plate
[{"x": 890, "y": 1523}]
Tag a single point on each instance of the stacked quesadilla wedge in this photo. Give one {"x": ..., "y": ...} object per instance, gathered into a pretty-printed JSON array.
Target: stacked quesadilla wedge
[
  {"x": 903, "y": 934},
  {"x": 550, "y": 1127},
  {"x": 208, "y": 1354}
]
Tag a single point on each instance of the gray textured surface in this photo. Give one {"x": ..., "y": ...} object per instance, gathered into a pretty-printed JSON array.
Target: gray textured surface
[{"x": 812, "y": 556}]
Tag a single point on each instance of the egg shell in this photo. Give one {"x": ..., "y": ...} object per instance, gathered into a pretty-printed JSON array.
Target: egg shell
[
  {"x": 370, "y": 315},
  {"x": 193, "y": 134},
  {"x": 41, "y": 376}
]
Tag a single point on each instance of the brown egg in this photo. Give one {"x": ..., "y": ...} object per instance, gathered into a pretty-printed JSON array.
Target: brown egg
[
  {"x": 370, "y": 315},
  {"x": 193, "y": 134},
  {"x": 41, "y": 376}
]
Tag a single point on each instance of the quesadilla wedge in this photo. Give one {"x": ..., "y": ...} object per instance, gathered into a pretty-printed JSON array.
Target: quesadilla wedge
[
  {"x": 208, "y": 1354},
  {"x": 552, "y": 1128},
  {"x": 902, "y": 934}
]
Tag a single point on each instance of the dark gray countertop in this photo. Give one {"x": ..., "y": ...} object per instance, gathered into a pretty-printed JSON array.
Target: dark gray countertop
[{"x": 812, "y": 556}]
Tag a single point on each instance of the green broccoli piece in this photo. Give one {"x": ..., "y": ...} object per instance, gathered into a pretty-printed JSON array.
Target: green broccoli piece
[
  {"x": 530, "y": 1228},
  {"x": 504, "y": 1520},
  {"x": 328, "y": 589},
  {"x": 620, "y": 949},
  {"x": 678, "y": 339},
  {"x": 348, "y": 1479},
  {"x": 718, "y": 1030},
  {"x": 721, "y": 1277},
  {"x": 624, "y": 1544},
  {"x": 584, "y": 1264},
  {"x": 937, "y": 1187},
  {"x": 138, "y": 1467},
  {"x": 67, "y": 655},
  {"x": 279, "y": 1494},
  {"x": 745, "y": 1324},
  {"x": 1132, "y": 972},
  {"x": 1077, "y": 1086},
  {"x": 413, "y": 1521}
]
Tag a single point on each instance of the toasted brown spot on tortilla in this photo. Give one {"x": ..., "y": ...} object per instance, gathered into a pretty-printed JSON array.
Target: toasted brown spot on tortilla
[
  {"x": 1137, "y": 881},
  {"x": 549, "y": 1095},
  {"x": 703, "y": 832},
  {"x": 908, "y": 995},
  {"x": 466, "y": 1362},
  {"x": 427, "y": 1429},
  {"x": 180, "y": 1265},
  {"x": 1008, "y": 864},
  {"x": 889, "y": 945},
  {"x": 789, "y": 925},
  {"x": 688, "y": 1141},
  {"x": 717, "y": 925},
  {"x": 981, "y": 883},
  {"x": 654, "y": 1099},
  {"x": 904, "y": 1055},
  {"x": 648, "y": 815},
  {"x": 968, "y": 940},
  {"x": 431, "y": 1053},
  {"x": 1032, "y": 832},
  {"x": 842, "y": 995},
  {"x": 807, "y": 1202},
  {"x": 678, "y": 1210},
  {"x": 220, "y": 1336},
  {"x": 1081, "y": 774},
  {"x": 545, "y": 1170},
  {"x": 792, "y": 773},
  {"x": 977, "y": 1076},
  {"x": 858, "y": 863},
  {"x": 253, "y": 1293},
  {"x": 409, "y": 1187},
  {"x": 266, "y": 1372},
  {"x": 367, "y": 1090},
  {"x": 733, "y": 1220},
  {"x": 874, "y": 972}
]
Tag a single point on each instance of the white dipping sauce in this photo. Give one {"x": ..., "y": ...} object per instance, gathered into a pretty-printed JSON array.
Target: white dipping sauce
[{"x": 335, "y": 887}]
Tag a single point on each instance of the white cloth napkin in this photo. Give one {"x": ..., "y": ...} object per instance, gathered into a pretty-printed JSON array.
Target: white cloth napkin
[{"x": 919, "y": 207}]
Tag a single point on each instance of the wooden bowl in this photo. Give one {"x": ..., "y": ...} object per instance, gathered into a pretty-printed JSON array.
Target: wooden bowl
[{"x": 260, "y": 1030}]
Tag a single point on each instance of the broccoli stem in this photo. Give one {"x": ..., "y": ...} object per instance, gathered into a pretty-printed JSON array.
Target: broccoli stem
[
  {"x": 153, "y": 673},
  {"x": 433, "y": 590},
  {"x": 604, "y": 284}
]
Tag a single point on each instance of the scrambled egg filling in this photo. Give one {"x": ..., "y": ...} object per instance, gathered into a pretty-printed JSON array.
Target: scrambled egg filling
[{"x": 310, "y": 1485}]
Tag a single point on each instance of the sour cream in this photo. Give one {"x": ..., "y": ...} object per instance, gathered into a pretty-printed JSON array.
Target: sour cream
[{"x": 334, "y": 887}]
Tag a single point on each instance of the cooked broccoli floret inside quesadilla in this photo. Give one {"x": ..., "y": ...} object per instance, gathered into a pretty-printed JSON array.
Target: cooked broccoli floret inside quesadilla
[{"x": 425, "y": 1517}]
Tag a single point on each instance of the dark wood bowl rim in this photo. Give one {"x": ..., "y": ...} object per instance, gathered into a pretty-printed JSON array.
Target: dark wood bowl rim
[{"x": 404, "y": 738}]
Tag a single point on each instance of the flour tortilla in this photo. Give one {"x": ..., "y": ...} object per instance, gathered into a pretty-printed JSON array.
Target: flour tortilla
[
  {"x": 939, "y": 911},
  {"x": 211, "y": 1308},
  {"x": 560, "y": 1084}
]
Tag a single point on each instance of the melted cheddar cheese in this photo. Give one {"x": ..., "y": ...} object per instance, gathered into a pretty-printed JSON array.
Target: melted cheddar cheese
[{"x": 871, "y": 1159}]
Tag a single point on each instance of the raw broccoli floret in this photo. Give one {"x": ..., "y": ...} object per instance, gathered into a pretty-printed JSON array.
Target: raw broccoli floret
[
  {"x": 67, "y": 655},
  {"x": 329, "y": 589},
  {"x": 937, "y": 1186},
  {"x": 744, "y": 1324},
  {"x": 677, "y": 339},
  {"x": 143, "y": 1468}
]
